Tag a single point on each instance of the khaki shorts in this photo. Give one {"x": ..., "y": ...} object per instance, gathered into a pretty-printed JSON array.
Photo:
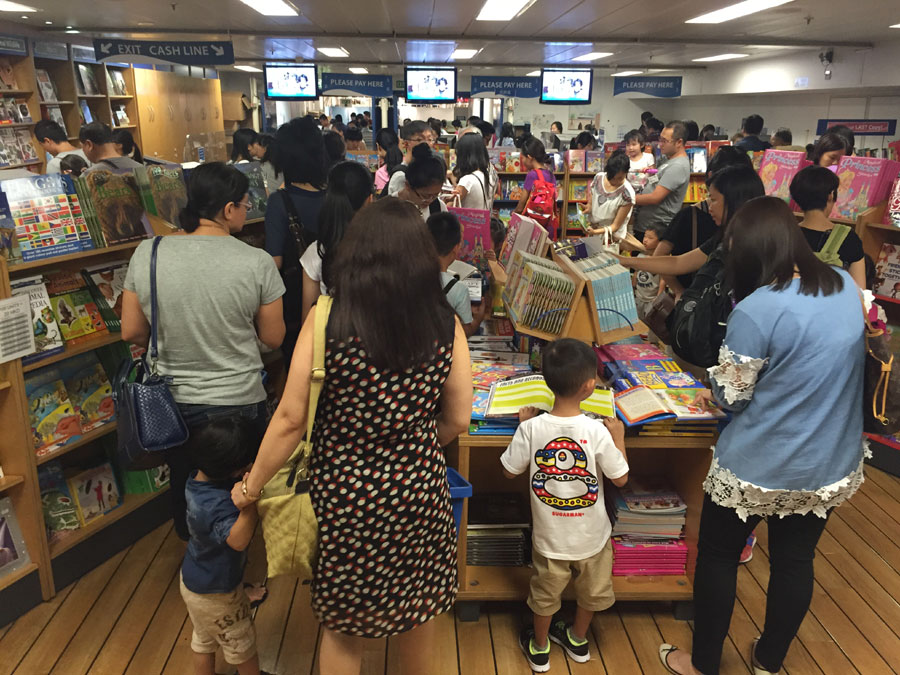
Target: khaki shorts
[
  {"x": 593, "y": 582},
  {"x": 221, "y": 619}
]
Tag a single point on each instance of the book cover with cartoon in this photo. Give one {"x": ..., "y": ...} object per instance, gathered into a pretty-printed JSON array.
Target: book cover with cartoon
[
  {"x": 54, "y": 420},
  {"x": 89, "y": 391},
  {"x": 863, "y": 182}
]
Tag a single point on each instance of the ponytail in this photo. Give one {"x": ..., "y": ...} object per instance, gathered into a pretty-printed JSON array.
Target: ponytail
[
  {"x": 349, "y": 187},
  {"x": 211, "y": 188},
  {"x": 533, "y": 147},
  {"x": 129, "y": 148}
]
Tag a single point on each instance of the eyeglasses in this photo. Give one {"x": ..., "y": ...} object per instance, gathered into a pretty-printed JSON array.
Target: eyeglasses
[
  {"x": 246, "y": 205},
  {"x": 426, "y": 199},
  {"x": 663, "y": 139}
]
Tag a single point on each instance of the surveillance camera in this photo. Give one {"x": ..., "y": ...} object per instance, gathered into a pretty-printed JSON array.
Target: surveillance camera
[{"x": 826, "y": 57}]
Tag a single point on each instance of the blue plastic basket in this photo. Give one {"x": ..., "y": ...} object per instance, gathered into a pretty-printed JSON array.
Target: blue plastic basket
[{"x": 460, "y": 488}]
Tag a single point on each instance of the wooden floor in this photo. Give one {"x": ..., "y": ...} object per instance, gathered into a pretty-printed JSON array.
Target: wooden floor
[{"x": 127, "y": 616}]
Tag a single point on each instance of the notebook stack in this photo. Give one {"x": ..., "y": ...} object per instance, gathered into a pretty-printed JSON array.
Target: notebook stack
[
  {"x": 538, "y": 293},
  {"x": 647, "y": 534},
  {"x": 498, "y": 532},
  {"x": 611, "y": 289}
]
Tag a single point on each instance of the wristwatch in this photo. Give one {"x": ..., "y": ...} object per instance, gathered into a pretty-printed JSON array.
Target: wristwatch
[{"x": 246, "y": 492}]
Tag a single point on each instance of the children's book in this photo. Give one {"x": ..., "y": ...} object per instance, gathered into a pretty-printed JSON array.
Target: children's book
[
  {"x": 662, "y": 379},
  {"x": 651, "y": 499},
  {"x": 892, "y": 212},
  {"x": 46, "y": 223},
  {"x": 864, "y": 182},
  {"x": 641, "y": 404},
  {"x": 256, "y": 195},
  {"x": 651, "y": 366},
  {"x": 594, "y": 161},
  {"x": 778, "y": 169},
  {"x": 476, "y": 236},
  {"x": 47, "y": 337},
  {"x": 89, "y": 390},
  {"x": 887, "y": 271},
  {"x": 60, "y": 512},
  {"x": 95, "y": 492},
  {"x": 524, "y": 234},
  {"x": 509, "y": 396},
  {"x": 631, "y": 352},
  {"x": 576, "y": 161},
  {"x": 116, "y": 199},
  {"x": 54, "y": 420}
]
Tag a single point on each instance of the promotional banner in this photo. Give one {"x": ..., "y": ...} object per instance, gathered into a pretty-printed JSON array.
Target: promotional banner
[
  {"x": 364, "y": 85},
  {"x": 193, "y": 53},
  {"x": 661, "y": 87},
  {"x": 509, "y": 87},
  {"x": 861, "y": 127}
]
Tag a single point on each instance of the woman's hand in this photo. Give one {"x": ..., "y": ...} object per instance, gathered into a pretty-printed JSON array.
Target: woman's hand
[
  {"x": 624, "y": 261},
  {"x": 703, "y": 399},
  {"x": 241, "y": 501}
]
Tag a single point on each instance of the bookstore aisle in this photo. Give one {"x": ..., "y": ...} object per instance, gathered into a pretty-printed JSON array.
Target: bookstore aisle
[{"x": 127, "y": 617}]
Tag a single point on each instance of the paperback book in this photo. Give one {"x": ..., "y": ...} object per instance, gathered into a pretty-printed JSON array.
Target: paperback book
[
  {"x": 47, "y": 336},
  {"x": 85, "y": 80},
  {"x": 89, "y": 391},
  {"x": 95, "y": 492},
  {"x": 54, "y": 420},
  {"x": 508, "y": 396},
  {"x": 864, "y": 182},
  {"x": 523, "y": 234},
  {"x": 641, "y": 404},
  {"x": 60, "y": 512},
  {"x": 887, "y": 272},
  {"x": 778, "y": 169}
]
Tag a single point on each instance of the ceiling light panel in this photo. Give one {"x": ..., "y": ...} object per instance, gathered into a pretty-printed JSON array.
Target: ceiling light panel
[
  {"x": 359, "y": 71},
  {"x": 593, "y": 56},
  {"x": 503, "y": 10},
  {"x": 272, "y": 7},
  {"x": 534, "y": 73},
  {"x": 463, "y": 54},
  {"x": 334, "y": 52},
  {"x": 626, "y": 73},
  {"x": 15, "y": 7},
  {"x": 720, "y": 57},
  {"x": 736, "y": 11},
  {"x": 249, "y": 69}
]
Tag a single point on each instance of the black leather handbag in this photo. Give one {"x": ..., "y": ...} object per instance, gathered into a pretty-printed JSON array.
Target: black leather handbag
[{"x": 149, "y": 419}]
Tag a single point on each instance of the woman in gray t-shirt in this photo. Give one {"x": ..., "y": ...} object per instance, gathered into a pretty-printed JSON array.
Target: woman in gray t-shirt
[{"x": 216, "y": 296}]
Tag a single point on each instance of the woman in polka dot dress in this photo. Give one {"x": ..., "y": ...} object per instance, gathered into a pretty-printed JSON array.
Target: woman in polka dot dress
[{"x": 397, "y": 388}]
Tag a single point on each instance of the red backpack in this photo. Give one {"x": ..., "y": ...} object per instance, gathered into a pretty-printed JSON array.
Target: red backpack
[{"x": 541, "y": 204}]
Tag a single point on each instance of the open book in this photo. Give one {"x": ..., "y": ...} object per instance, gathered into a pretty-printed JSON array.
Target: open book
[
  {"x": 641, "y": 404},
  {"x": 510, "y": 395}
]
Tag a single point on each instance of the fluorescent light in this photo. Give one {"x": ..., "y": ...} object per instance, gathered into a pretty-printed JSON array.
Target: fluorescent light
[
  {"x": 49, "y": 23},
  {"x": 334, "y": 52},
  {"x": 626, "y": 73},
  {"x": 593, "y": 56},
  {"x": 359, "y": 71},
  {"x": 249, "y": 69},
  {"x": 272, "y": 7},
  {"x": 464, "y": 53},
  {"x": 534, "y": 73},
  {"x": 503, "y": 10},
  {"x": 73, "y": 31},
  {"x": 14, "y": 7},
  {"x": 896, "y": 25},
  {"x": 737, "y": 11},
  {"x": 721, "y": 57}
]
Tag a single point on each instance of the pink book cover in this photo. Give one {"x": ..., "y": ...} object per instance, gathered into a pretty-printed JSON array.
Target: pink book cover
[
  {"x": 476, "y": 235},
  {"x": 892, "y": 212},
  {"x": 778, "y": 169},
  {"x": 644, "y": 546},
  {"x": 506, "y": 253},
  {"x": 575, "y": 159},
  {"x": 632, "y": 353},
  {"x": 864, "y": 182},
  {"x": 650, "y": 571}
]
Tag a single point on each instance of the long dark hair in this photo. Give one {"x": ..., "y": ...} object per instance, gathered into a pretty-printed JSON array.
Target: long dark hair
[
  {"x": 533, "y": 147},
  {"x": 267, "y": 141},
  {"x": 349, "y": 186},
  {"x": 507, "y": 130},
  {"x": 828, "y": 142},
  {"x": 240, "y": 144},
  {"x": 212, "y": 187},
  {"x": 387, "y": 140},
  {"x": 738, "y": 185},
  {"x": 124, "y": 138},
  {"x": 299, "y": 152},
  {"x": 766, "y": 246},
  {"x": 584, "y": 141},
  {"x": 393, "y": 303},
  {"x": 471, "y": 156}
]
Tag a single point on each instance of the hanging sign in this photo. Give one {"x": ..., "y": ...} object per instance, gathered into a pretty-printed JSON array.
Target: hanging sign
[
  {"x": 661, "y": 87},
  {"x": 10, "y": 44},
  {"x": 861, "y": 127},
  {"x": 193, "y": 53},
  {"x": 509, "y": 87},
  {"x": 50, "y": 50},
  {"x": 364, "y": 85}
]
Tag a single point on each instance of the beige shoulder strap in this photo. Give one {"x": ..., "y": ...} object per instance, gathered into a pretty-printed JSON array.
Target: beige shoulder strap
[{"x": 323, "y": 310}]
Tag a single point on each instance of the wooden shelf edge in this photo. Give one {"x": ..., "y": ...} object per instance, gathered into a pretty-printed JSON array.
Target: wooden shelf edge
[
  {"x": 75, "y": 350},
  {"x": 94, "y": 96},
  {"x": 89, "y": 437},
  {"x": 57, "y": 102},
  {"x": 130, "y": 503},
  {"x": 5, "y": 385},
  {"x": 884, "y": 440},
  {"x": 81, "y": 255},
  {"x": 9, "y": 481},
  {"x": 17, "y": 125},
  {"x": 882, "y": 226},
  {"x": 15, "y": 92},
  {"x": 126, "y": 126},
  {"x": 121, "y": 96},
  {"x": 18, "y": 575},
  {"x": 885, "y": 298}
]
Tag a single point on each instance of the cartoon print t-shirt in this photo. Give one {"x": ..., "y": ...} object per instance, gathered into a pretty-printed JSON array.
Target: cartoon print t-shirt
[{"x": 566, "y": 458}]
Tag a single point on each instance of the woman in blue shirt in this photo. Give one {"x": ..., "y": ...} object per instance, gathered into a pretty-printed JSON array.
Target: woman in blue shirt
[{"x": 791, "y": 371}]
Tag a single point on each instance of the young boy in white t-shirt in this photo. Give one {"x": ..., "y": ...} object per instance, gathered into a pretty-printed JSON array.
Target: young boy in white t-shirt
[{"x": 567, "y": 454}]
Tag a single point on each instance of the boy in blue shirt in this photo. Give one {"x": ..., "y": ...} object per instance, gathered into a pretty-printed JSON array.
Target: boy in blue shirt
[{"x": 223, "y": 449}]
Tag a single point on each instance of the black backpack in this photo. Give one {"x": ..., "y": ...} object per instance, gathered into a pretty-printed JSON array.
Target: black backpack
[{"x": 698, "y": 323}]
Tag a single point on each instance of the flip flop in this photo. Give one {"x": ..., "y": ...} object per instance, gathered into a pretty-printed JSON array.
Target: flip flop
[
  {"x": 256, "y": 603},
  {"x": 664, "y": 650}
]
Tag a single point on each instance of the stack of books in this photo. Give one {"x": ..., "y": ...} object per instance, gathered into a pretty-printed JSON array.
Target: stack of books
[
  {"x": 499, "y": 530},
  {"x": 647, "y": 532},
  {"x": 612, "y": 290},
  {"x": 864, "y": 182},
  {"x": 538, "y": 294}
]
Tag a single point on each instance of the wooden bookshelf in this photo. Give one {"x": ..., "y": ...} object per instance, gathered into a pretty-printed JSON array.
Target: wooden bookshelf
[
  {"x": 84, "y": 257},
  {"x": 9, "y": 481},
  {"x": 129, "y": 504},
  {"x": 92, "y": 96},
  {"x": 75, "y": 350},
  {"x": 5, "y": 385},
  {"x": 884, "y": 298},
  {"x": 87, "y": 438}
]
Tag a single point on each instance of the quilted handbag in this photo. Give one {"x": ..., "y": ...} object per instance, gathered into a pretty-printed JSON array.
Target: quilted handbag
[
  {"x": 289, "y": 524},
  {"x": 149, "y": 419}
]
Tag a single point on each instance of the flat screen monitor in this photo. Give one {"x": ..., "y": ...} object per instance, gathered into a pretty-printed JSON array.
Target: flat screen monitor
[
  {"x": 292, "y": 82},
  {"x": 431, "y": 85},
  {"x": 572, "y": 85}
]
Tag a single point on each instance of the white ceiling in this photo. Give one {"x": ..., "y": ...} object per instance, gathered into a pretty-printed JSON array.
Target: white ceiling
[{"x": 648, "y": 33}]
